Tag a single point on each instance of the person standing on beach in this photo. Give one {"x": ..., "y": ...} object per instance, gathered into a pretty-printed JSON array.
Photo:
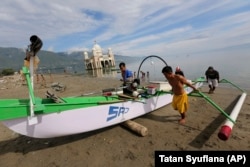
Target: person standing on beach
[
  {"x": 142, "y": 75},
  {"x": 127, "y": 75},
  {"x": 34, "y": 47},
  {"x": 179, "y": 71},
  {"x": 147, "y": 76},
  {"x": 50, "y": 75},
  {"x": 213, "y": 78},
  {"x": 180, "y": 98},
  {"x": 43, "y": 81}
]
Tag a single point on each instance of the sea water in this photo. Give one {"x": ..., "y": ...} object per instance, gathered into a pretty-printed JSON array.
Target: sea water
[
  {"x": 235, "y": 70},
  {"x": 240, "y": 78}
]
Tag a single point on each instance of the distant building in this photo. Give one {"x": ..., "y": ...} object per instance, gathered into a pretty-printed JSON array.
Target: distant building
[{"x": 98, "y": 60}]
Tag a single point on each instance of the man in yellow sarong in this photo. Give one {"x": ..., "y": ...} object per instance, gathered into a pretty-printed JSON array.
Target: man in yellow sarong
[{"x": 180, "y": 98}]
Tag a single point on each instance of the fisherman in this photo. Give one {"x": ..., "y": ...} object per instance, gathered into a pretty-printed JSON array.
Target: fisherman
[
  {"x": 43, "y": 81},
  {"x": 127, "y": 75},
  {"x": 142, "y": 74},
  {"x": 33, "y": 48},
  {"x": 180, "y": 98},
  {"x": 213, "y": 79}
]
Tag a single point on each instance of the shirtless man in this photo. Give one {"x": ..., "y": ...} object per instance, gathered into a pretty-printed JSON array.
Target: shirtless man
[{"x": 180, "y": 98}]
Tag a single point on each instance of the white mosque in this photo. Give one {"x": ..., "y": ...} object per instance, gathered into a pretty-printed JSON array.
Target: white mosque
[{"x": 98, "y": 60}]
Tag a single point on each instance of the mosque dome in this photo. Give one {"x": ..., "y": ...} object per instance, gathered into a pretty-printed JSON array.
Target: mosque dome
[{"x": 97, "y": 48}]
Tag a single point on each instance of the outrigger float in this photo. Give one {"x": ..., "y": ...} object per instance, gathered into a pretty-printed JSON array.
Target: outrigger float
[
  {"x": 227, "y": 127},
  {"x": 54, "y": 116}
]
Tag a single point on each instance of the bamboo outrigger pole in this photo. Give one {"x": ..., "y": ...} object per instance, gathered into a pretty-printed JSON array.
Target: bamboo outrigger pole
[
  {"x": 231, "y": 119},
  {"x": 200, "y": 94},
  {"x": 30, "y": 80},
  {"x": 32, "y": 119}
]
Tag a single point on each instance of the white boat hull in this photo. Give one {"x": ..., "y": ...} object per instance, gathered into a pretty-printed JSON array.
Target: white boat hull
[{"x": 77, "y": 121}]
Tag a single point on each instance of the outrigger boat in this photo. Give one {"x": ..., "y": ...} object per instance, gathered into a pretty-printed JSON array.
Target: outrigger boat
[{"x": 54, "y": 116}]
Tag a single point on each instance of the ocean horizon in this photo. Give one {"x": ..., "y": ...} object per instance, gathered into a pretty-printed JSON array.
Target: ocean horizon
[{"x": 236, "y": 70}]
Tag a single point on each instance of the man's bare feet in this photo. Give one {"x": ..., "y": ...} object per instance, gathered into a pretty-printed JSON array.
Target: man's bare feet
[{"x": 182, "y": 121}]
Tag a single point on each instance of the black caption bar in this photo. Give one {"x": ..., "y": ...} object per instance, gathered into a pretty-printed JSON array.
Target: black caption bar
[{"x": 204, "y": 158}]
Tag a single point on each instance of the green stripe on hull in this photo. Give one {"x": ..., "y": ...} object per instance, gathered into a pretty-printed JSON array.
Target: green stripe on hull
[{"x": 17, "y": 108}]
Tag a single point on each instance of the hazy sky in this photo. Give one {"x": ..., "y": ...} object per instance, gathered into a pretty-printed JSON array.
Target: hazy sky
[{"x": 193, "y": 34}]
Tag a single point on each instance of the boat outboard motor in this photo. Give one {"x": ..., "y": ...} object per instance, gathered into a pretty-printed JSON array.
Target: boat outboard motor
[{"x": 131, "y": 89}]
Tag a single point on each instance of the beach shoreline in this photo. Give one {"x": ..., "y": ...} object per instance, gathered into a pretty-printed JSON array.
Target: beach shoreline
[{"x": 115, "y": 145}]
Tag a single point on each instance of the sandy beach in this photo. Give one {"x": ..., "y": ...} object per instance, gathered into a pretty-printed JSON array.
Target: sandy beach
[{"x": 117, "y": 146}]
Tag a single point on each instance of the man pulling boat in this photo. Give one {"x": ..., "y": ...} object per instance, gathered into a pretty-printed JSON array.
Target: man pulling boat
[
  {"x": 180, "y": 98},
  {"x": 213, "y": 78}
]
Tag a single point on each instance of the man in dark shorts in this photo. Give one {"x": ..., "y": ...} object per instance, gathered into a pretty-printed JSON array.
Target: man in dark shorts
[{"x": 213, "y": 78}]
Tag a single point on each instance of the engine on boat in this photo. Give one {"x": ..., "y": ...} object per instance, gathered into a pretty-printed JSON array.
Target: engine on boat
[{"x": 131, "y": 88}]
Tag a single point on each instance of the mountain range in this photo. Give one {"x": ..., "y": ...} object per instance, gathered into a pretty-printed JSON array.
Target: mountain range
[{"x": 13, "y": 58}]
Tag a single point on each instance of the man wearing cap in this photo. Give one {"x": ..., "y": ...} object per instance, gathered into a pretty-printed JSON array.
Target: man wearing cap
[{"x": 213, "y": 78}]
